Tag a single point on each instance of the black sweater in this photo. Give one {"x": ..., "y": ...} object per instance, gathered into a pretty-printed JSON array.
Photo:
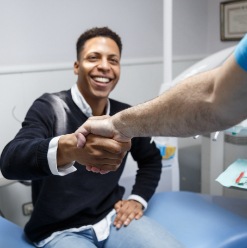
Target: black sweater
[{"x": 82, "y": 197}]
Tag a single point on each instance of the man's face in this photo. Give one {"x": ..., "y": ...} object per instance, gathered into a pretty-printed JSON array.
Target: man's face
[{"x": 98, "y": 68}]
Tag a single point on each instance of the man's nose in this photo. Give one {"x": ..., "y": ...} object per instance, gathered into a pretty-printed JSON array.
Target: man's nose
[{"x": 104, "y": 64}]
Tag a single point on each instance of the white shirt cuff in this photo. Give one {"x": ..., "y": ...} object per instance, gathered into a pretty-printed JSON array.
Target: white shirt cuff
[
  {"x": 139, "y": 199},
  {"x": 52, "y": 160}
]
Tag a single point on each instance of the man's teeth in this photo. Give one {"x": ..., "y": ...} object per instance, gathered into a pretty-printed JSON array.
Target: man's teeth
[{"x": 102, "y": 79}]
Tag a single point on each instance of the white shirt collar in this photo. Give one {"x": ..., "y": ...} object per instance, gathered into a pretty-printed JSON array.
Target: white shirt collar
[{"x": 80, "y": 101}]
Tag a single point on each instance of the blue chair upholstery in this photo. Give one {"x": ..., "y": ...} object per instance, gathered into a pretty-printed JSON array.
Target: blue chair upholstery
[
  {"x": 12, "y": 236},
  {"x": 197, "y": 221}
]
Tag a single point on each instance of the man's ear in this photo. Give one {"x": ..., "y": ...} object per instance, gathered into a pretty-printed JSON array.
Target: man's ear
[{"x": 76, "y": 67}]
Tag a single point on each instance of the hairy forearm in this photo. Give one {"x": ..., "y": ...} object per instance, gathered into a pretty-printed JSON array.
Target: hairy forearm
[
  {"x": 204, "y": 103},
  {"x": 178, "y": 112},
  {"x": 172, "y": 114}
]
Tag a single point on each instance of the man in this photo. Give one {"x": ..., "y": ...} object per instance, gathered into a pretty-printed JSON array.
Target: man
[
  {"x": 207, "y": 102},
  {"x": 72, "y": 206}
]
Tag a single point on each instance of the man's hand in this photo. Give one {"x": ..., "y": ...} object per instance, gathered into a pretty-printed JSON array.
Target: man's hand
[
  {"x": 127, "y": 210},
  {"x": 102, "y": 153},
  {"x": 100, "y": 125}
]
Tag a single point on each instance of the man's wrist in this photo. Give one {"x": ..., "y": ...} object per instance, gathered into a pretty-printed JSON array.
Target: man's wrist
[
  {"x": 120, "y": 127},
  {"x": 139, "y": 199},
  {"x": 52, "y": 160},
  {"x": 67, "y": 144}
]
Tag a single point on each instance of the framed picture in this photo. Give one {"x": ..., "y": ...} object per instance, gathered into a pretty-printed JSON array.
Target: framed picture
[{"x": 233, "y": 20}]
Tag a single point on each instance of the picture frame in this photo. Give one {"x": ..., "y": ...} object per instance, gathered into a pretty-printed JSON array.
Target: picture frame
[{"x": 233, "y": 20}]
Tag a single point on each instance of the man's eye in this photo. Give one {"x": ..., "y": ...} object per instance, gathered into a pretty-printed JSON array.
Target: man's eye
[
  {"x": 92, "y": 58},
  {"x": 114, "y": 61}
]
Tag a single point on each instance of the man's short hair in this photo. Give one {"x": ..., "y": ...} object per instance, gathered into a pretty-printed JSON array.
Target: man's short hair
[{"x": 97, "y": 32}]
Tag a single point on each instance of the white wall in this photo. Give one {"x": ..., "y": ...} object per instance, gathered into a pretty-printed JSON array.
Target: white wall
[
  {"x": 197, "y": 28},
  {"x": 189, "y": 27},
  {"x": 196, "y": 31},
  {"x": 40, "y": 32},
  {"x": 214, "y": 43}
]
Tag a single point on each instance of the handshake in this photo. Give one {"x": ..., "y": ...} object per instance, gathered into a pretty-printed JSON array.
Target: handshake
[{"x": 114, "y": 143}]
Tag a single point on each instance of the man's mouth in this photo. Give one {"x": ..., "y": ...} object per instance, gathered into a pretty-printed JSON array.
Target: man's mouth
[{"x": 102, "y": 79}]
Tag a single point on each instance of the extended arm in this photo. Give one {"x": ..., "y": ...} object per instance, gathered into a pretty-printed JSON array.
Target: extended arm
[{"x": 207, "y": 102}]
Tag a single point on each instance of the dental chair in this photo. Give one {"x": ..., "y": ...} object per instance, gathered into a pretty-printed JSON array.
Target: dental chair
[
  {"x": 12, "y": 235},
  {"x": 196, "y": 220},
  {"x": 201, "y": 221}
]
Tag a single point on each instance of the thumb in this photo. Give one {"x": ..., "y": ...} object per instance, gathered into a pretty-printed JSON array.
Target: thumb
[
  {"x": 82, "y": 130},
  {"x": 118, "y": 205},
  {"x": 81, "y": 140}
]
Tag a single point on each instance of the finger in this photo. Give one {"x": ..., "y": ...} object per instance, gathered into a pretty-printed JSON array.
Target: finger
[
  {"x": 81, "y": 140},
  {"x": 111, "y": 164},
  {"x": 118, "y": 224},
  {"x": 103, "y": 172},
  {"x": 129, "y": 219},
  {"x": 102, "y": 167},
  {"x": 82, "y": 130},
  {"x": 99, "y": 117},
  {"x": 107, "y": 168},
  {"x": 92, "y": 168},
  {"x": 120, "y": 219},
  {"x": 99, "y": 145},
  {"x": 105, "y": 157},
  {"x": 114, "y": 146},
  {"x": 88, "y": 167},
  {"x": 95, "y": 169},
  {"x": 139, "y": 215}
]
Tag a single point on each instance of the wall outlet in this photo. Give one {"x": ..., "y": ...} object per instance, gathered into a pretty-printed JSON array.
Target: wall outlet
[{"x": 27, "y": 208}]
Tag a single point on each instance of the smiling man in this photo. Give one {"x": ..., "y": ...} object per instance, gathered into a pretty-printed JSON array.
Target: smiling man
[{"x": 74, "y": 207}]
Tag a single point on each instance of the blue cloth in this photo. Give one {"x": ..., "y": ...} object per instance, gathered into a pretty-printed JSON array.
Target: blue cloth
[{"x": 241, "y": 53}]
